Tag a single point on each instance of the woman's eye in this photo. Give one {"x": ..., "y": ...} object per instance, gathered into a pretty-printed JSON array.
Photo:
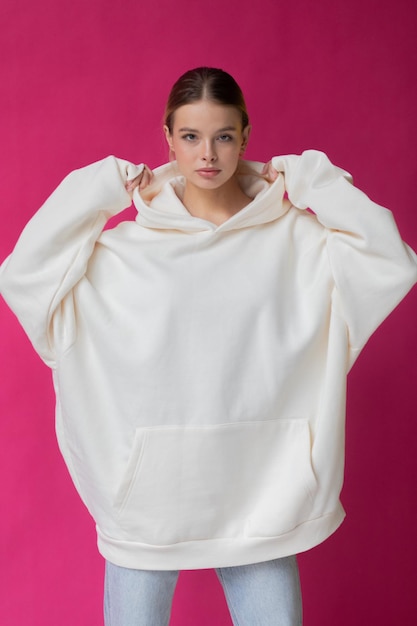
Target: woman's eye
[
  {"x": 189, "y": 137},
  {"x": 225, "y": 138}
]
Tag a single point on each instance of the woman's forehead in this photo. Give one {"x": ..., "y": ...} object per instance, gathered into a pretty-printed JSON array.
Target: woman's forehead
[{"x": 205, "y": 114}]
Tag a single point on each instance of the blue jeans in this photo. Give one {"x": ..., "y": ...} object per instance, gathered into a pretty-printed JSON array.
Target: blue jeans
[{"x": 262, "y": 594}]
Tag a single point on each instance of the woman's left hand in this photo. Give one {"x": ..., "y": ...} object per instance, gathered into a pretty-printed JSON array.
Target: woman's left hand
[{"x": 269, "y": 172}]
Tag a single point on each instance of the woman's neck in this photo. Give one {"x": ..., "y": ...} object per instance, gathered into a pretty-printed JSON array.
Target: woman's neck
[{"x": 215, "y": 205}]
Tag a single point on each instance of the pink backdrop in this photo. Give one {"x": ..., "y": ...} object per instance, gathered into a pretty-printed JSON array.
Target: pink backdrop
[{"x": 80, "y": 80}]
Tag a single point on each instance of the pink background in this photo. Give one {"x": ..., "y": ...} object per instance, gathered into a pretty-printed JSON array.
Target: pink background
[{"x": 80, "y": 80}]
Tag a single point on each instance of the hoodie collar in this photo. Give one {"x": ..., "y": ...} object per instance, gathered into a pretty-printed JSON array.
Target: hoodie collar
[{"x": 159, "y": 205}]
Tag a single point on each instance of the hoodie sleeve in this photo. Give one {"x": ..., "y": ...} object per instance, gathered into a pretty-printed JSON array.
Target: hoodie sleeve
[
  {"x": 373, "y": 268},
  {"x": 53, "y": 250}
]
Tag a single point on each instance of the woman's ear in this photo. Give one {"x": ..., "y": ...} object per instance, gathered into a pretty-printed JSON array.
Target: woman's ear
[
  {"x": 245, "y": 138},
  {"x": 168, "y": 138}
]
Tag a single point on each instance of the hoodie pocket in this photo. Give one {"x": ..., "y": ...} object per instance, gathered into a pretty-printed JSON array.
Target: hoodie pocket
[{"x": 191, "y": 483}]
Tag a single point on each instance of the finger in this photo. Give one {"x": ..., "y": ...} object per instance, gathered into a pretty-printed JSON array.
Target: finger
[
  {"x": 270, "y": 172},
  {"x": 130, "y": 185},
  {"x": 265, "y": 168},
  {"x": 273, "y": 174},
  {"x": 146, "y": 177}
]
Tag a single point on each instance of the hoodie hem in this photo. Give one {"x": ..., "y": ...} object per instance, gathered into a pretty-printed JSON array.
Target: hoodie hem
[{"x": 222, "y": 552}]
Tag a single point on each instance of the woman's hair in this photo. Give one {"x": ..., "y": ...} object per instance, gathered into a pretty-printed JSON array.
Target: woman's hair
[{"x": 205, "y": 83}]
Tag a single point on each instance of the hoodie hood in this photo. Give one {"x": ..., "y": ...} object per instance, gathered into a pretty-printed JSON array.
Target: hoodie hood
[{"x": 160, "y": 206}]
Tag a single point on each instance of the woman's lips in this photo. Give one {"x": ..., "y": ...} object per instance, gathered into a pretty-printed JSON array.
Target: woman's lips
[{"x": 208, "y": 172}]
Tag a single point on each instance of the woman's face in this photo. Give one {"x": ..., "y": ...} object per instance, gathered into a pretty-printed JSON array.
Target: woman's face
[{"x": 207, "y": 140}]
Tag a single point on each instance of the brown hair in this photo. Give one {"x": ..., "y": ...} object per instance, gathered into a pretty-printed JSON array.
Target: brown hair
[{"x": 205, "y": 83}]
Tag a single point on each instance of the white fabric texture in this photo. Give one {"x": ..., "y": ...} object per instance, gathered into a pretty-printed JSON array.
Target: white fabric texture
[{"x": 200, "y": 370}]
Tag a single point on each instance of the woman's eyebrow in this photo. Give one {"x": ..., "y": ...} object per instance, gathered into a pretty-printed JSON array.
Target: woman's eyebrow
[{"x": 193, "y": 130}]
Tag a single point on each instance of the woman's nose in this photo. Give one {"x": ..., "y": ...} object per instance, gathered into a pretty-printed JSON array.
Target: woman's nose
[{"x": 209, "y": 153}]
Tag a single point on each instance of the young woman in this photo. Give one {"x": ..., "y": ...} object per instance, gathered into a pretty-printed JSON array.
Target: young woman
[{"x": 200, "y": 353}]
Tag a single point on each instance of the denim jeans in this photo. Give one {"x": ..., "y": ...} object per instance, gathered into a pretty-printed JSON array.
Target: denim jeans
[{"x": 261, "y": 594}]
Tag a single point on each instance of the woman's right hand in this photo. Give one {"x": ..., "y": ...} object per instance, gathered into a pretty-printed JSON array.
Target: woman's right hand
[{"x": 143, "y": 180}]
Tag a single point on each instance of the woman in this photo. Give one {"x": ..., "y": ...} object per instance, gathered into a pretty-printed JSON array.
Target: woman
[{"x": 200, "y": 353}]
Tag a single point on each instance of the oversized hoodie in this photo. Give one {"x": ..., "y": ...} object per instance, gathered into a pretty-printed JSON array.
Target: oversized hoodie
[{"x": 200, "y": 370}]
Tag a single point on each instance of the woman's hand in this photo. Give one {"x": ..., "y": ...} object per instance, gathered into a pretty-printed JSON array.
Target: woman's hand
[
  {"x": 269, "y": 172},
  {"x": 143, "y": 180}
]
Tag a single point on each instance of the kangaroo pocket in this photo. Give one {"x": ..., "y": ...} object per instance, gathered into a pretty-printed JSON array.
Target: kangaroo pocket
[{"x": 192, "y": 483}]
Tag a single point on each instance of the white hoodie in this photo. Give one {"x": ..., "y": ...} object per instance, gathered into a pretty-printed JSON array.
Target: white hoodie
[{"x": 200, "y": 370}]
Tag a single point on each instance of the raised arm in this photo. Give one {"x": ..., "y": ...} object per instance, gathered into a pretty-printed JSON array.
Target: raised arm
[
  {"x": 53, "y": 250},
  {"x": 373, "y": 268}
]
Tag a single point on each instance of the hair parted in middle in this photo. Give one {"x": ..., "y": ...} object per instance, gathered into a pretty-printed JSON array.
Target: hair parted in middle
[{"x": 205, "y": 83}]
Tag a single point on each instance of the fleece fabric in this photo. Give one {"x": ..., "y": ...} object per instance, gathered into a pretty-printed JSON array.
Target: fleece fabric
[{"x": 200, "y": 370}]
